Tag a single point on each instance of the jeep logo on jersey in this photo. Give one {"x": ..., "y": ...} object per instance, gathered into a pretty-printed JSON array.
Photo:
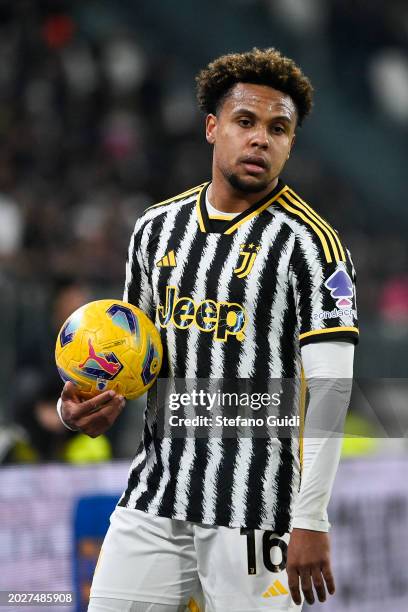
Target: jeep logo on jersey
[
  {"x": 341, "y": 288},
  {"x": 248, "y": 253},
  {"x": 223, "y": 318}
]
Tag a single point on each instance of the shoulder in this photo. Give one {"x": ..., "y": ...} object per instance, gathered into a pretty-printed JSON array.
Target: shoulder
[
  {"x": 189, "y": 195},
  {"x": 312, "y": 230},
  {"x": 156, "y": 212}
]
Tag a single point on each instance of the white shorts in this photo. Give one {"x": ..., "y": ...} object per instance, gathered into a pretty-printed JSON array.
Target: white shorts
[{"x": 154, "y": 559}]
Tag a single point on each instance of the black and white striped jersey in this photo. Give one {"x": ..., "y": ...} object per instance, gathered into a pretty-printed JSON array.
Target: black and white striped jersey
[{"x": 233, "y": 299}]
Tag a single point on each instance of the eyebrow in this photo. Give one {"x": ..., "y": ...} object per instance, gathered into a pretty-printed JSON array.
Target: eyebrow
[{"x": 246, "y": 111}]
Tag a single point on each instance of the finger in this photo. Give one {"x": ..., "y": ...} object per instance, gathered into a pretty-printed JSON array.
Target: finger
[
  {"x": 306, "y": 581},
  {"x": 293, "y": 583},
  {"x": 108, "y": 409},
  {"x": 98, "y": 422},
  {"x": 93, "y": 404},
  {"x": 328, "y": 576},
  {"x": 69, "y": 391},
  {"x": 318, "y": 584},
  {"x": 96, "y": 403}
]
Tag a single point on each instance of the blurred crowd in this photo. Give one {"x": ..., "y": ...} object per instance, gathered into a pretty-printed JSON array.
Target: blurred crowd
[
  {"x": 95, "y": 128},
  {"x": 367, "y": 41}
]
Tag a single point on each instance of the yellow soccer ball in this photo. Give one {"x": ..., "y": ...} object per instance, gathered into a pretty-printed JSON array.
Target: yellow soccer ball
[{"x": 109, "y": 344}]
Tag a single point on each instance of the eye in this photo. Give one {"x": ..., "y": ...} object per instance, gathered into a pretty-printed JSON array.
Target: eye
[
  {"x": 278, "y": 129},
  {"x": 244, "y": 122}
]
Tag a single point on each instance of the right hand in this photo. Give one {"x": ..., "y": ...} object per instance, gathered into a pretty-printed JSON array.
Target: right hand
[
  {"x": 308, "y": 563},
  {"x": 91, "y": 416}
]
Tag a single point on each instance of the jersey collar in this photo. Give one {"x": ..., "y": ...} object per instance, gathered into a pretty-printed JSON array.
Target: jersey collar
[{"x": 233, "y": 224}]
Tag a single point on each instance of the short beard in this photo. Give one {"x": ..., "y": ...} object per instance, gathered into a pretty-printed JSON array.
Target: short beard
[{"x": 240, "y": 185}]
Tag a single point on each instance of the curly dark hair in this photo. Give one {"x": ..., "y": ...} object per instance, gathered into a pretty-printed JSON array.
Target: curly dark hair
[{"x": 259, "y": 66}]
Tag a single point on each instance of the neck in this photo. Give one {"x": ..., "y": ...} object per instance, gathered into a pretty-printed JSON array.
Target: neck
[{"x": 227, "y": 199}]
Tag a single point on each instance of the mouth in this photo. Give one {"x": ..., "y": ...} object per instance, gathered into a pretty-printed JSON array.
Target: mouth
[{"x": 254, "y": 164}]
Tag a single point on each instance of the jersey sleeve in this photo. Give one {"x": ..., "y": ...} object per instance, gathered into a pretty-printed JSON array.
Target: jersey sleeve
[
  {"x": 138, "y": 289},
  {"x": 325, "y": 292}
]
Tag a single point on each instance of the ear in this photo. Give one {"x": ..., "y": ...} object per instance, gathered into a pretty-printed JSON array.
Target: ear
[{"x": 211, "y": 128}]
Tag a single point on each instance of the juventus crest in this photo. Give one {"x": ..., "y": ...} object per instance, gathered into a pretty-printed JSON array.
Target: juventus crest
[{"x": 248, "y": 253}]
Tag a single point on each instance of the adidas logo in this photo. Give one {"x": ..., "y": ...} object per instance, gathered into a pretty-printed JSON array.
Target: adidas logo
[
  {"x": 275, "y": 589},
  {"x": 193, "y": 606},
  {"x": 168, "y": 261}
]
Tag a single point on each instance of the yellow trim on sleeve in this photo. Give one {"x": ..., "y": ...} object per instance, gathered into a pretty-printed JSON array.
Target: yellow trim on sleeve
[
  {"x": 255, "y": 212},
  {"x": 314, "y": 214},
  {"x": 318, "y": 222},
  {"x": 312, "y": 225},
  {"x": 181, "y": 196},
  {"x": 329, "y": 330}
]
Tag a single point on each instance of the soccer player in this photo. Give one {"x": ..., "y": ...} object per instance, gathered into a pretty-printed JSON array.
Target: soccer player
[{"x": 245, "y": 280}]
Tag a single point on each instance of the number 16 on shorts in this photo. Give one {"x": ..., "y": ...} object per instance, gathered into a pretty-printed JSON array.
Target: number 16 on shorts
[
  {"x": 274, "y": 551},
  {"x": 266, "y": 556}
]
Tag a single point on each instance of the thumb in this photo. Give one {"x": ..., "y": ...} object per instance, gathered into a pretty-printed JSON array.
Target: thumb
[{"x": 70, "y": 392}]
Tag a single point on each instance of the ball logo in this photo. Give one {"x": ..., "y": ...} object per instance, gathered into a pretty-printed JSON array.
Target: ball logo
[
  {"x": 341, "y": 288},
  {"x": 100, "y": 365}
]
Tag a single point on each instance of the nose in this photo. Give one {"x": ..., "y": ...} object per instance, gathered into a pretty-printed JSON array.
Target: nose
[{"x": 260, "y": 138}]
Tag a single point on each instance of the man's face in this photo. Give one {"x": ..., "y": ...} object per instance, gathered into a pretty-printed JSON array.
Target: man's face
[{"x": 252, "y": 134}]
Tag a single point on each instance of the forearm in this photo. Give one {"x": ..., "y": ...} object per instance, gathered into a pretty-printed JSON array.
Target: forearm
[
  {"x": 321, "y": 459},
  {"x": 328, "y": 369}
]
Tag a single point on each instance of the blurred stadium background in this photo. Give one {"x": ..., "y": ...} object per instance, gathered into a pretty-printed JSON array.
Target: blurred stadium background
[{"x": 97, "y": 121}]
